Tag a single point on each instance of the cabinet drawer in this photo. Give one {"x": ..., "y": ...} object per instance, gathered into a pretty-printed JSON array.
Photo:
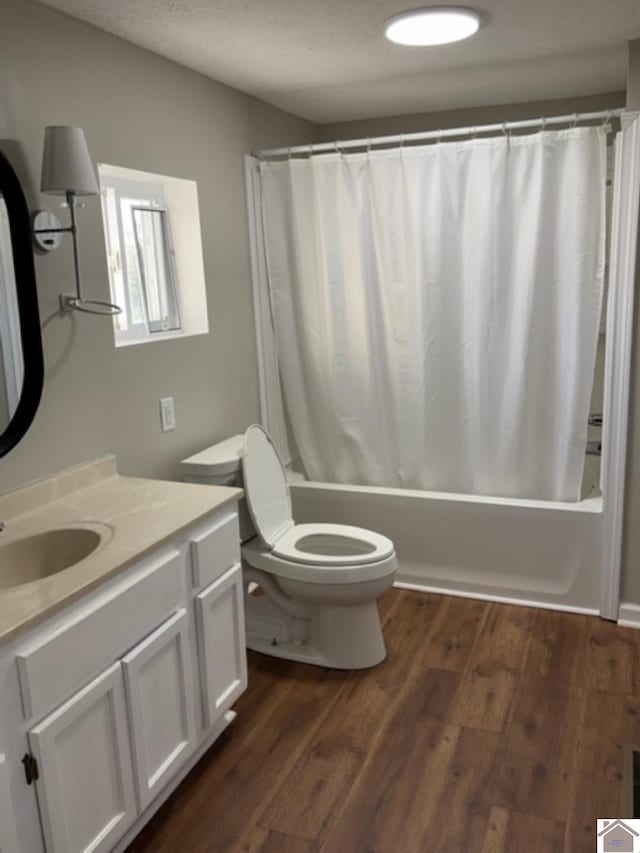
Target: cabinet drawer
[
  {"x": 99, "y": 633},
  {"x": 215, "y": 550}
]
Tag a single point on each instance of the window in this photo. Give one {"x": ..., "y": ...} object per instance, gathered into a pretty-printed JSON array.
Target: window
[{"x": 154, "y": 255}]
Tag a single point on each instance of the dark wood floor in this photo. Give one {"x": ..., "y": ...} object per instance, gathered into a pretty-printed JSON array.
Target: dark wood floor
[{"x": 488, "y": 728}]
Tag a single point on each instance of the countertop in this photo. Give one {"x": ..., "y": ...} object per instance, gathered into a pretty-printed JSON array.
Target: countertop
[{"x": 136, "y": 516}]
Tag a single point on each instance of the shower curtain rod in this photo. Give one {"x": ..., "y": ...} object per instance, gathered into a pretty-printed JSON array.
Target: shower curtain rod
[{"x": 503, "y": 127}]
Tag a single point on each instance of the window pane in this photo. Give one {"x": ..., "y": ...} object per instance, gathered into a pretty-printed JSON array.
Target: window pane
[
  {"x": 134, "y": 281},
  {"x": 156, "y": 269}
]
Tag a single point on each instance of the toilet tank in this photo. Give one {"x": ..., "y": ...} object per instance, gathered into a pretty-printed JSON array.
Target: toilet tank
[{"x": 221, "y": 465}]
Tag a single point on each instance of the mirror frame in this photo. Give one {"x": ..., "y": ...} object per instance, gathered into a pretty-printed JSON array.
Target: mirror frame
[{"x": 25, "y": 276}]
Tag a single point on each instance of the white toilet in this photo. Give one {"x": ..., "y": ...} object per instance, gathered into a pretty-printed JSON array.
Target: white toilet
[{"x": 313, "y": 586}]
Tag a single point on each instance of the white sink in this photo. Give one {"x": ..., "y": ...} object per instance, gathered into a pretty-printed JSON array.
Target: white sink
[{"x": 32, "y": 558}]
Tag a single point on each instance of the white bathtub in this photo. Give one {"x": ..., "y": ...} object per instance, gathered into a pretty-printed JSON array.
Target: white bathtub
[{"x": 539, "y": 553}]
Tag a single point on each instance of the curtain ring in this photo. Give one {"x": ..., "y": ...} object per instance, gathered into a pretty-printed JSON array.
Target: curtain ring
[
  {"x": 337, "y": 150},
  {"x": 402, "y": 140},
  {"x": 310, "y": 147},
  {"x": 474, "y": 132},
  {"x": 543, "y": 123},
  {"x": 368, "y": 145},
  {"x": 439, "y": 137},
  {"x": 289, "y": 154},
  {"x": 505, "y": 130},
  {"x": 574, "y": 123}
]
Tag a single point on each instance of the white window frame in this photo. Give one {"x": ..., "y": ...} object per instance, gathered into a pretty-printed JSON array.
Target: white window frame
[
  {"x": 178, "y": 197},
  {"x": 152, "y": 193}
]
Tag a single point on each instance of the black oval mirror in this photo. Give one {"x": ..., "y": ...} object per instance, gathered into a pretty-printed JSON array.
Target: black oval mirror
[{"x": 21, "y": 361}]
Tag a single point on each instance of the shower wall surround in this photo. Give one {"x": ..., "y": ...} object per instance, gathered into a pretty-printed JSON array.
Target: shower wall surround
[{"x": 630, "y": 591}]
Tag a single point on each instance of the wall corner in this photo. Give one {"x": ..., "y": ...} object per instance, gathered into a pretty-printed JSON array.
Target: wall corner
[{"x": 633, "y": 75}]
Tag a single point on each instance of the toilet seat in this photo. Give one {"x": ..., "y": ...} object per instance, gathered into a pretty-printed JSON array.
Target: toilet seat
[
  {"x": 332, "y": 544},
  {"x": 310, "y": 545},
  {"x": 313, "y": 572}
]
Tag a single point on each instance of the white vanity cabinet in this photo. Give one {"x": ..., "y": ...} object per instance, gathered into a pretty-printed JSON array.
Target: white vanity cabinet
[{"x": 119, "y": 695}]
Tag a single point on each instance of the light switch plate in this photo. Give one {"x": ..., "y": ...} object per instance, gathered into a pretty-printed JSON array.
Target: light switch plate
[{"x": 167, "y": 414}]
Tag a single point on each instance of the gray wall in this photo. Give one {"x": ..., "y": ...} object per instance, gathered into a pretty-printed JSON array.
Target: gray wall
[
  {"x": 141, "y": 111},
  {"x": 468, "y": 117}
]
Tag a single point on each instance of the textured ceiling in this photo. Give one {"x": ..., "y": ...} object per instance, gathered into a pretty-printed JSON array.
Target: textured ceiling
[{"x": 327, "y": 60}]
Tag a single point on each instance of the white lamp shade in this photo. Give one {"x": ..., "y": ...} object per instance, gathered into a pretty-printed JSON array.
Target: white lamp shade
[{"x": 66, "y": 164}]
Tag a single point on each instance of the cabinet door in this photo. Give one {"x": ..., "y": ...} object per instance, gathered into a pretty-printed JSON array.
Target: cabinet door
[
  {"x": 221, "y": 644},
  {"x": 85, "y": 789},
  {"x": 161, "y": 707}
]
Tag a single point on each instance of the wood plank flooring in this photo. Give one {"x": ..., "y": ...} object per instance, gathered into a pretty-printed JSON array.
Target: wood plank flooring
[{"x": 489, "y": 728}]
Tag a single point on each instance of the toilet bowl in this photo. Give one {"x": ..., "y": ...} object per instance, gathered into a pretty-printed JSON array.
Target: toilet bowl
[{"x": 310, "y": 589}]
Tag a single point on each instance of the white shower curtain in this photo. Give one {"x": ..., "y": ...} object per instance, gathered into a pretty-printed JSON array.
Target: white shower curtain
[{"x": 436, "y": 310}]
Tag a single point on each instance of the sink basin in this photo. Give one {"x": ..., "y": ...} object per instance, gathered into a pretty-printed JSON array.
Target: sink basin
[{"x": 33, "y": 558}]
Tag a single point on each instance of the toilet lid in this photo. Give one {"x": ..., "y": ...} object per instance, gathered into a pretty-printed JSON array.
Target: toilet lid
[{"x": 265, "y": 486}]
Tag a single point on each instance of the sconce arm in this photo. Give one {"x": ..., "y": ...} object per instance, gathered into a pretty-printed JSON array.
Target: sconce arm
[{"x": 54, "y": 231}]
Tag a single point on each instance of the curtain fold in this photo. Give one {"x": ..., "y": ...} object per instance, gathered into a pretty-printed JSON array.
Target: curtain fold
[{"x": 436, "y": 310}]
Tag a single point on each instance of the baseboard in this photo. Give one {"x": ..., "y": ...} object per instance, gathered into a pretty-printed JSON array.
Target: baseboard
[
  {"x": 629, "y": 615},
  {"x": 501, "y": 599}
]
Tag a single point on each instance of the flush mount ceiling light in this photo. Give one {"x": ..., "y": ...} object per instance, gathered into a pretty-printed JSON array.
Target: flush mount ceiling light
[{"x": 432, "y": 25}]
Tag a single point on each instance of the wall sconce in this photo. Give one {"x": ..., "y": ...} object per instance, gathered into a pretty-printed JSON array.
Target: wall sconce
[{"x": 67, "y": 170}]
